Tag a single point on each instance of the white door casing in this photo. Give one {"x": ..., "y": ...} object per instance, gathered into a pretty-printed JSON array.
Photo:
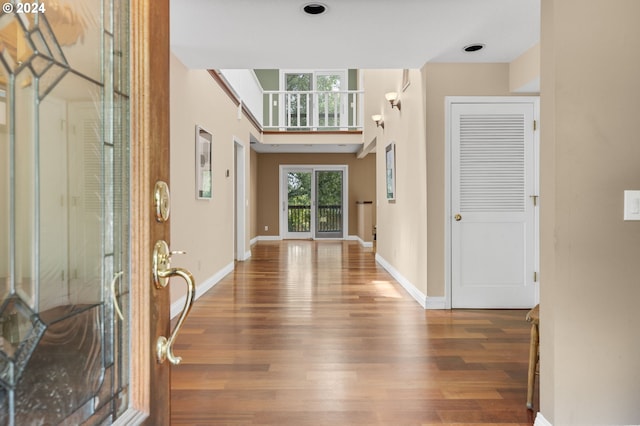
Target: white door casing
[
  {"x": 492, "y": 219},
  {"x": 241, "y": 253}
]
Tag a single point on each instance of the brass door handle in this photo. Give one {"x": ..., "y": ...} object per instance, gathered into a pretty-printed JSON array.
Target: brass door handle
[
  {"x": 458, "y": 217},
  {"x": 161, "y": 274}
]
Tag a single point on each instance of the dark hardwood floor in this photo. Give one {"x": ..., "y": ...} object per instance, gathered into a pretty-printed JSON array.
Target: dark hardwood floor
[{"x": 316, "y": 333}]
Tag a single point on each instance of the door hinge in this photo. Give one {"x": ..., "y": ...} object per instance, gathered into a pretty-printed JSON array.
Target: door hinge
[
  {"x": 535, "y": 277},
  {"x": 534, "y": 198},
  {"x": 535, "y": 125}
]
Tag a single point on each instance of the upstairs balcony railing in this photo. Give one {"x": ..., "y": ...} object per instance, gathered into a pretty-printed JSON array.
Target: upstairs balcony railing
[{"x": 313, "y": 110}]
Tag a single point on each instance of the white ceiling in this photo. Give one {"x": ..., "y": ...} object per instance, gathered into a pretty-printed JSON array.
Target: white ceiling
[{"x": 249, "y": 34}]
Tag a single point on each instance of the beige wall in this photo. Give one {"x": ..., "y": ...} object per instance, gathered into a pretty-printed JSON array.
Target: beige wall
[
  {"x": 197, "y": 99},
  {"x": 361, "y": 185},
  {"x": 401, "y": 224},
  {"x": 524, "y": 71},
  {"x": 441, "y": 80},
  {"x": 590, "y": 153}
]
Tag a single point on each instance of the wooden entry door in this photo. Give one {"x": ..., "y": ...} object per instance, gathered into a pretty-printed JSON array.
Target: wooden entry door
[
  {"x": 493, "y": 204},
  {"x": 149, "y": 165},
  {"x": 83, "y": 139}
]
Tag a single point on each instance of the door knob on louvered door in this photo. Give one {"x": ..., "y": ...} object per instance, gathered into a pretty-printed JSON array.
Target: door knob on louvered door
[{"x": 458, "y": 217}]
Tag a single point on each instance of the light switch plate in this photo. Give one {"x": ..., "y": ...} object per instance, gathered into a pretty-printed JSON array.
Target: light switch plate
[{"x": 631, "y": 205}]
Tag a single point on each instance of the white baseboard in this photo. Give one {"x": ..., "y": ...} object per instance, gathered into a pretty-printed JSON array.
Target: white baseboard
[
  {"x": 245, "y": 256},
  {"x": 254, "y": 240},
  {"x": 419, "y": 296},
  {"x": 425, "y": 301},
  {"x": 541, "y": 421},
  {"x": 202, "y": 288},
  {"x": 363, "y": 243},
  {"x": 436, "y": 303},
  {"x": 268, "y": 238}
]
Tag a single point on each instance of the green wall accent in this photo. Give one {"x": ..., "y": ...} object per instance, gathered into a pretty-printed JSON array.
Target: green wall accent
[
  {"x": 353, "y": 79},
  {"x": 269, "y": 79}
]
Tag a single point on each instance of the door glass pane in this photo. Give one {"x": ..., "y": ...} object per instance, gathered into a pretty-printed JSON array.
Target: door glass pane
[
  {"x": 329, "y": 99},
  {"x": 299, "y": 201},
  {"x": 298, "y": 99},
  {"x": 22, "y": 114},
  {"x": 4, "y": 188},
  {"x": 64, "y": 231},
  {"x": 329, "y": 204}
]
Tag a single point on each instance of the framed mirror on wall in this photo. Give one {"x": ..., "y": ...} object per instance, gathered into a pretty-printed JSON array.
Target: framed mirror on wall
[
  {"x": 204, "y": 175},
  {"x": 390, "y": 158}
]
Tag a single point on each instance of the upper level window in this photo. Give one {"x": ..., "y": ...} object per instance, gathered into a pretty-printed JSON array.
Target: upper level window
[{"x": 314, "y": 99}]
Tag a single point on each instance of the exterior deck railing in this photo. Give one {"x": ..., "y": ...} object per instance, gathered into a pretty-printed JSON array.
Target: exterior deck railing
[
  {"x": 299, "y": 218},
  {"x": 329, "y": 218},
  {"x": 313, "y": 110}
]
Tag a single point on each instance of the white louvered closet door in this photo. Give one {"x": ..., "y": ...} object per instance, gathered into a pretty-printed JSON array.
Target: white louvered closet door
[{"x": 493, "y": 219}]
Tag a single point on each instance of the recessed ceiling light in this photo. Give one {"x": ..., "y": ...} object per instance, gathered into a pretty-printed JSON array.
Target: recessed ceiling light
[
  {"x": 473, "y": 47},
  {"x": 314, "y": 8}
]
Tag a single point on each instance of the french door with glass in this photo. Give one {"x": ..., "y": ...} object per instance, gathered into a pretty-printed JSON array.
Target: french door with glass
[{"x": 313, "y": 201}]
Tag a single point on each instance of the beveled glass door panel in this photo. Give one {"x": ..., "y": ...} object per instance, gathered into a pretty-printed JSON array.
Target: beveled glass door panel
[
  {"x": 64, "y": 233},
  {"x": 5, "y": 164}
]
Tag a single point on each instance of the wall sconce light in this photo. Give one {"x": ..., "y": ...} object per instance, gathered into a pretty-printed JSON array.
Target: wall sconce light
[
  {"x": 392, "y": 97},
  {"x": 378, "y": 119}
]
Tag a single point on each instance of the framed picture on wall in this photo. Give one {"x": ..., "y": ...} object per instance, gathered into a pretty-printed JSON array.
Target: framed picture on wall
[
  {"x": 390, "y": 158},
  {"x": 204, "y": 175}
]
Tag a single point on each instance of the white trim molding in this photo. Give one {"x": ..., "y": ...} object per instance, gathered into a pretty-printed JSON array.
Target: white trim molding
[
  {"x": 430, "y": 303},
  {"x": 363, "y": 243},
  {"x": 434, "y": 303},
  {"x": 178, "y": 305},
  {"x": 268, "y": 238},
  {"x": 541, "y": 421}
]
